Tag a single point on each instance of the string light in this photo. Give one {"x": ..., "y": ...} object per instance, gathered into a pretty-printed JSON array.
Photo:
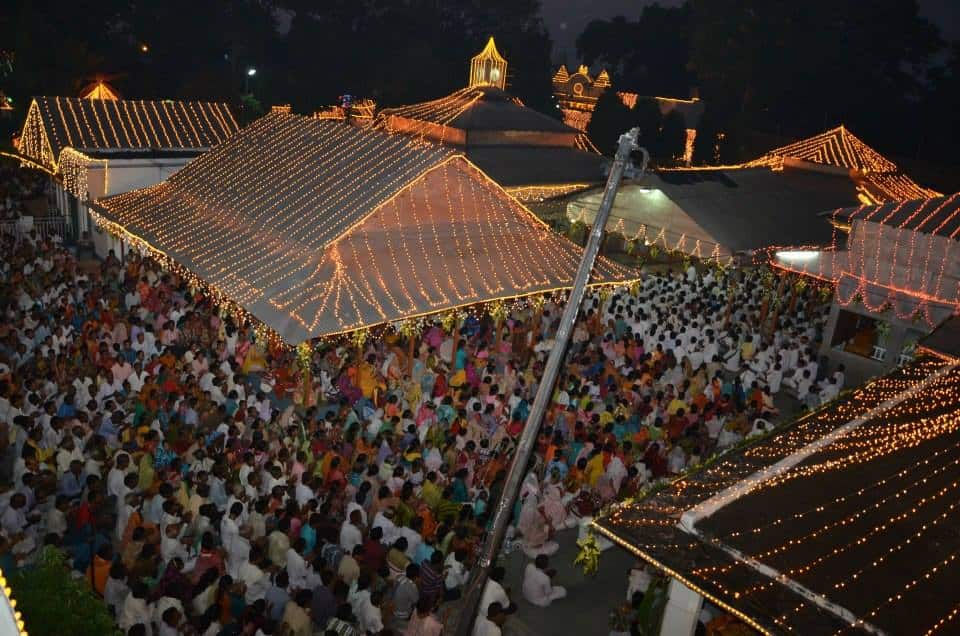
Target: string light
[
  {"x": 528, "y": 194},
  {"x": 840, "y": 148},
  {"x": 488, "y": 68},
  {"x": 100, "y": 90},
  {"x": 260, "y": 222},
  {"x": 926, "y": 393},
  {"x": 61, "y": 133}
]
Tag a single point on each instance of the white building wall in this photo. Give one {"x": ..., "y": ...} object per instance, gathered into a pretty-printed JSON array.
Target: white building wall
[
  {"x": 116, "y": 177},
  {"x": 682, "y": 611}
]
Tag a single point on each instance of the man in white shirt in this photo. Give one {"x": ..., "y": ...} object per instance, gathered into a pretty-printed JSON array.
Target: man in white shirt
[
  {"x": 489, "y": 624},
  {"x": 253, "y": 577},
  {"x": 367, "y": 610},
  {"x": 493, "y": 591},
  {"x": 115, "y": 477},
  {"x": 298, "y": 570},
  {"x": 537, "y": 586},
  {"x": 135, "y": 609},
  {"x": 350, "y": 533}
]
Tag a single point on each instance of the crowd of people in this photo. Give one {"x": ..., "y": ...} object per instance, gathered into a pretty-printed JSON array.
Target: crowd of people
[
  {"x": 204, "y": 484},
  {"x": 17, "y": 187}
]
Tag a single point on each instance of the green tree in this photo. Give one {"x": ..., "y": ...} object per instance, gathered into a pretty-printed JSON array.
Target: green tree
[
  {"x": 794, "y": 69},
  {"x": 53, "y": 603},
  {"x": 611, "y": 118},
  {"x": 673, "y": 138},
  {"x": 646, "y": 115},
  {"x": 648, "y": 56}
]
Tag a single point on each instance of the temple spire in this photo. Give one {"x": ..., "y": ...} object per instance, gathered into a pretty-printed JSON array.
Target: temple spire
[{"x": 488, "y": 68}]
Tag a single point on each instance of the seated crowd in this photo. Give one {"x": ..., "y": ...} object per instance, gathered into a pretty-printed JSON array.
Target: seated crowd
[{"x": 200, "y": 487}]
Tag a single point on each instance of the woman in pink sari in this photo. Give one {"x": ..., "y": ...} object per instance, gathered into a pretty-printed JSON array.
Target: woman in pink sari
[
  {"x": 553, "y": 507},
  {"x": 535, "y": 530}
]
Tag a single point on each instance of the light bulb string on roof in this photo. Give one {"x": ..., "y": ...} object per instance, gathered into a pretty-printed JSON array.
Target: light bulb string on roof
[
  {"x": 849, "y": 519},
  {"x": 824, "y": 507},
  {"x": 891, "y": 523}
]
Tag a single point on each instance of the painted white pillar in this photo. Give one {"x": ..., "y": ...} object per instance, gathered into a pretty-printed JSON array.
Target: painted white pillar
[{"x": 682, "y": 612}]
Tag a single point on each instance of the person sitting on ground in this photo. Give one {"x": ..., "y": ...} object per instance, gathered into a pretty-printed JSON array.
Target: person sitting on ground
[{"x": 538, "y": 588}]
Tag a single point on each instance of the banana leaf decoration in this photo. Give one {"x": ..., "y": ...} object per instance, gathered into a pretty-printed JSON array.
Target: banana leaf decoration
[
  {"x": 304, "y": 355},
  {"x": 450, "y": 319},
  {"x": 589, "y": 556},
  {"x": 498, "y": 310},
  {"x": 359, "y": 337}
]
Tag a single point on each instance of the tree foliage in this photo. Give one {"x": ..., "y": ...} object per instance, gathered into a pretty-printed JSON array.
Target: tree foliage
[
  {"x": 673, "y": 137},
  {"x": 792, "y": 69},
  {"x": 647, "y": 56},
  {"x": 306, "y": 53},
  {"x": 55, "y": 604},
  {"x": 611, "y": 118}
]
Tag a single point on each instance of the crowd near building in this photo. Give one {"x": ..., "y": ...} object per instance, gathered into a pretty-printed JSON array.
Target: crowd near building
[{"x": 282, "y": 395}]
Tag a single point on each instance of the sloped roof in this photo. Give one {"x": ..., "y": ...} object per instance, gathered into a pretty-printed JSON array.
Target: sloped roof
[
  {"x": 936, "y": 215},
  {"x": 99, "y": 90},
  {"x": 317, "y": 227},
  {"x": 753, "y": 208},
  {"x": 527, "y": 165},
  {"x": 862, "y": 520},
  {"x": 840, "y": 148},
  {"x": 480, "y": 108},
  {"x": 95, "y": 126},
  {"x": 944, "y": 341}
]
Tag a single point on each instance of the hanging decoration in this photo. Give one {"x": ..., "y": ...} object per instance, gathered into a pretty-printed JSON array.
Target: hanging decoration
[
  {"x": 589, "y": 556},
  {"x": 537, "y": 302},
  {"x": 497, "y": 310},
  {"x": 359, "y": 338},
  {"x": 409, "y": 328},
  {"x": 450, "y": 320},
  {"x": 304, "y": 356}
]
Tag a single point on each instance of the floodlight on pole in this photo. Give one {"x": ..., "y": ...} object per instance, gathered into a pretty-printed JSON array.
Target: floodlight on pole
[{"x": 251, "y": 72}]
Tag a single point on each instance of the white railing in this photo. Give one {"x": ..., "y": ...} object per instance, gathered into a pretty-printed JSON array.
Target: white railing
[{"x": 39, "y": 228}]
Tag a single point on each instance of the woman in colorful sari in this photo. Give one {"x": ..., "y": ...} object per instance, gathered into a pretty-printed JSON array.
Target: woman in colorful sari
[
  {"x": 554, "y": 509},
  {"x": 367, "y": 379},
  {"x": 535, "y": 530}
]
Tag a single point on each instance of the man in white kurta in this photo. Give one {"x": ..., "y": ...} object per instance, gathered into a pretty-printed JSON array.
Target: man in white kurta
[{"x": 537, "y": 586}]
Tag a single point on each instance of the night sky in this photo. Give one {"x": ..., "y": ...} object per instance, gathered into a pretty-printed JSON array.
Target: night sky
[{"x": 567, "y": 18}]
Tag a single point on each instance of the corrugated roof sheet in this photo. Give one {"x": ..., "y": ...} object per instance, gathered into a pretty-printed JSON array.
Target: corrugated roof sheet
[{"x": 754, "y": 208}]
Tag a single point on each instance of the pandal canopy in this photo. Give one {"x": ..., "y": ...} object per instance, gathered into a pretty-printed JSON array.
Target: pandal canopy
[{"x": 317, "y": 227}]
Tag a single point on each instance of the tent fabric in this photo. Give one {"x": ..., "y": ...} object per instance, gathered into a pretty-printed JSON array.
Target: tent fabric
[
  {"x": 739, "y": 209},
  {"x": 99, "y": 124},
  {"x": 651, "y": 215},
  {"x": 317, "y": 227}
]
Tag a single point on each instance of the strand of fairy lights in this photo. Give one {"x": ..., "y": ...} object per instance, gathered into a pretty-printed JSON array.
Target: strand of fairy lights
[
  {"x": 822, "y": 508},
  {"x": 888, "y": 524}
]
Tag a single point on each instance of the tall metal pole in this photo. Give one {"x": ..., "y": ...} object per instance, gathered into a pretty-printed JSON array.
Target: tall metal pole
[{"x": 504, "y": 509}]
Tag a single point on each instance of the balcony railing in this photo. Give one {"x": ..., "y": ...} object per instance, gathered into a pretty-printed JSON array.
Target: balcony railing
[{"x": 56, "y": 228}]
